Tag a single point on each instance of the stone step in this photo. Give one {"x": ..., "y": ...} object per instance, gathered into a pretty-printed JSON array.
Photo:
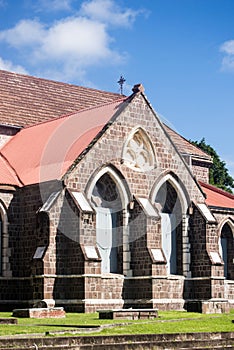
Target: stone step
[
  {"x": 204, "y": 347},
  {"x": 159, "y": 342},
  {"x": 167, "y": 345},
  {"x": 159, "y": 345},
  {"x": 59, "y": 347}
]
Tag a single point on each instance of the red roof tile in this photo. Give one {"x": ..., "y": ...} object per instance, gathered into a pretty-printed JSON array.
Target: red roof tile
[
  {"x": 26, "y": 100},
  {"x": 46, "y": 151},
  {"x": 217, "y": 197}
]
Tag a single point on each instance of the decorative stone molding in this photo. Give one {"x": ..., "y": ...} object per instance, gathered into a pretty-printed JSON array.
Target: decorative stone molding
[{"x": 138, "y": 152}]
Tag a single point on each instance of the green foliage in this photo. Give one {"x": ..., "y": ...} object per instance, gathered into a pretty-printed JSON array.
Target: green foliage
[{"x": 219, "y": 175}]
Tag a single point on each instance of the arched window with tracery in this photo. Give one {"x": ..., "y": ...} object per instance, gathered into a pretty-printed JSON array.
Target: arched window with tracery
[{"x": 138, "y": 152}]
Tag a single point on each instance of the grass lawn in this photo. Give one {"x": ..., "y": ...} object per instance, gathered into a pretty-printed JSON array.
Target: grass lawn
[{"x": 168, "y": 322}]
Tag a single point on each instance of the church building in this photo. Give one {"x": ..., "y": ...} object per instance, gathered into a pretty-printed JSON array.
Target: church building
[{"x": 104, "y": 206}]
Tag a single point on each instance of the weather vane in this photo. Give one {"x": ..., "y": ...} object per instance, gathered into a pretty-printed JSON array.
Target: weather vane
[{"x": 121, "y": 82}]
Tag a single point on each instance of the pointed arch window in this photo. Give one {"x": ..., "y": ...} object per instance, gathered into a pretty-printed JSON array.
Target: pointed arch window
[
  {"x": 138, "y": 152},
  {"x": 109, "y": 195},
  {"x": 171, "y": 227},
  {"x": 107, "y": 200},
  {"x": 226, "y": 246},
  {"x": 5, "y": 267},
  {"x": 172, "y": 201}
]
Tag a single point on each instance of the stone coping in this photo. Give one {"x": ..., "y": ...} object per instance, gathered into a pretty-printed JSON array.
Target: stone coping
[
  {"x": 40, "y": 309},
  {"x": 28, "y": 341},
  {"x": 130, "y": 314},
  {"x": 51, "y": 312},
  {"x": 128, "y": 310}
]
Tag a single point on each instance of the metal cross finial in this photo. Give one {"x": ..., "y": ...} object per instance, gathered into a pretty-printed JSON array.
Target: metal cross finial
[{"x": 121, "y": 82}]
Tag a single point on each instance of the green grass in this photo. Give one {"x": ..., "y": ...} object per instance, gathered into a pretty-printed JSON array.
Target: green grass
[{"x": 168, "y": 322}]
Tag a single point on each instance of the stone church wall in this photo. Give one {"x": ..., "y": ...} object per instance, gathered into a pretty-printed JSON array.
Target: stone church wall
[
  {"x": 201, "y": 170},
  {"x": 109, "y": 150},
  {"x": 66, "y": 274}
]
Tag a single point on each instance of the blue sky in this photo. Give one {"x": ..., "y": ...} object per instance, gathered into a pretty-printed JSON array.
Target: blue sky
[{"x": 182, "y": 51}]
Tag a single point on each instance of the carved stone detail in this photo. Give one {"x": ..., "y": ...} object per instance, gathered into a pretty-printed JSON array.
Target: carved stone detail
[{"x": 138, "y": 152}]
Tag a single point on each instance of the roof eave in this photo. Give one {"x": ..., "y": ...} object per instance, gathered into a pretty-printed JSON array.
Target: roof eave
[
  {"x": 198, "y": 158},
  {"x": 221, "y": 209}
]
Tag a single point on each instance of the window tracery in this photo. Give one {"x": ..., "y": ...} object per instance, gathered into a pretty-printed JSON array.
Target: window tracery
[{"x": 138, "y": 152}]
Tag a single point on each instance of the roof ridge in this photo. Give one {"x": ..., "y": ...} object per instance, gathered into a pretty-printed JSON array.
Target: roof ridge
[
  {"x": 57, "y": 82},
  {"x": 217, "y": 189}
]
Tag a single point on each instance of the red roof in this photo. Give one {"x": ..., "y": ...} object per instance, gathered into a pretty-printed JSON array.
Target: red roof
[
  {"x": 7, "y": 174},
  {"x": 26, "y": 100},
  {"x": 46, "y": 151},
  {"x": 217, "y": 197}
]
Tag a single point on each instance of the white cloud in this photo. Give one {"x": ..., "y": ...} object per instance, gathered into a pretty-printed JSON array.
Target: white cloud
[
  {"x": 228, "y": 60},
  {"x": 9, "y": 66},
  {"x": 25, "y": 33},
  {"x": 107, "y": 11},
  {"x": 74, "y": 40},
  {"x": 72, "y": 44},
  {"x": 79, "y": 39},
  {"x": 228, "y": 47}
]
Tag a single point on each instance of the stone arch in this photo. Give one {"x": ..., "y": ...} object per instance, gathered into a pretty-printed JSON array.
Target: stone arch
[
  {"x": 118, "y": 179},
  {"x": 4, "y": 242},
  {"x": 226, "y": 246},
  {"x": 177, "y": 185},
  {"x": 138, "y": 151},
  {"x": 172, "y": 202},
  {"x": 226, "y": 220},
  {"x": 110, "y": 196}
]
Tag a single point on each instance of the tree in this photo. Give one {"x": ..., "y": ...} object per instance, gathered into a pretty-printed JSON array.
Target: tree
[{"x": 218, "y": 175}]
